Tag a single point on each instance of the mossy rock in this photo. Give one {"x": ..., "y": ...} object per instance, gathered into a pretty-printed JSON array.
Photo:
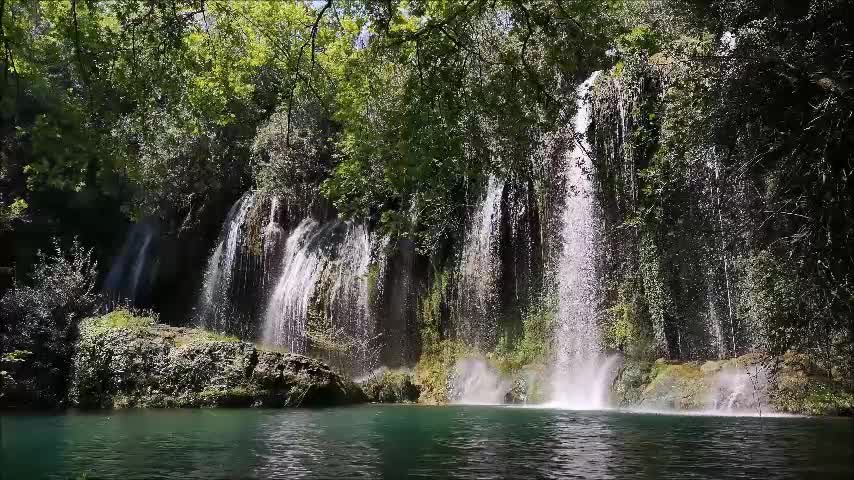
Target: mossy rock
[
  {"x": 390, "y": 386},
  {"x": 803, "y": 387},
  {"x": 791, "y": 383},
  {"x": 434, "y": 369},
  {"x": 130, "y": 362},
  {"x": 680, "y": 386},
  {"x": 632, "y": 379}
]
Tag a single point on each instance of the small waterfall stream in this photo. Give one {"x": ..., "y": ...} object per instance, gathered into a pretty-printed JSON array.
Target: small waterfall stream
[
  {"x": 287, "y": 310},
  {"x": 320, "y": 299},
  {"x": 477, "y": 289},
  {"x": 132, "y": 273},
  {"x": 225, "y": 266},
  {"x": 581, "y": 376}
]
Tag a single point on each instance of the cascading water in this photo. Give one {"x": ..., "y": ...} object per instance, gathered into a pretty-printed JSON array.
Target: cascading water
[
  {"x": 133, "y": 271},
  {"x": 582, "y": 375},
  {"x": 348, "y": 296},
  {"x": 273, "y": 233},
  {"x": 224, "y": 264},
  {"x": 287, "y": 309},
  {"x": 324, "y": 280},
  {"x": 477, "y": 293}
]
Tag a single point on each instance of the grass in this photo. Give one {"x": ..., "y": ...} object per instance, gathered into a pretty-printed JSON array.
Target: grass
[
  {"x": 126, "y": 320},
  {"x": 199, "y": 335},
  {"x": 272, "y": 348},
  {"x": 120, "y": 319}
]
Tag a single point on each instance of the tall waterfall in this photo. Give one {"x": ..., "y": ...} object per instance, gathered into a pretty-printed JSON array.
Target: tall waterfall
[
  {"x": 581, "y": 375},
  {"x": 320, "y": 299},
  {"x": 132, "y": 272},
  {"x": 226, "y": 266},
  {"x": 477, "y": 289}
]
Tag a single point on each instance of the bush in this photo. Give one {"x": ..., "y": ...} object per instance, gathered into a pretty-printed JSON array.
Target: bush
[
  {"x": 534, "y": 346},
  {"x": 390, "y": 386},
  {"x": 42, "y": 319},
  {"x": 434, "y": 368}
]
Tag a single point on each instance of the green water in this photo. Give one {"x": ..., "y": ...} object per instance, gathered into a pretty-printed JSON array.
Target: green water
[{"x": 422, "y": 442}]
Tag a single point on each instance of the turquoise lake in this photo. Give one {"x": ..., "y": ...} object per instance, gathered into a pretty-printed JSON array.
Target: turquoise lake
[{"x": 465, "y": 442}]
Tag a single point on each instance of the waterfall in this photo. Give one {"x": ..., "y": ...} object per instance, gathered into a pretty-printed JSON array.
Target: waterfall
[
  {"x": 287, "y": 310},
  {"x": 581, "y": 376},
  {"x": 477, "y": 279},
  {"x": 226, "y": 261},
  {"x": 132, "y": 272},
  {"x": 320, "y": 299},
  {"x": 273, "y": 233},
  {"x": 349, "y": 293}
]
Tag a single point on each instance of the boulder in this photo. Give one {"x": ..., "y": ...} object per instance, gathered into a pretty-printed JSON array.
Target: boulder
[{"x": 143, "y": 364}]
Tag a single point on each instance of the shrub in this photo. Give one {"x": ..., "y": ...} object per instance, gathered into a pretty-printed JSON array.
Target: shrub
[
  {"x": 390, "y": 386},
  {"x": 42, "y": 319}
]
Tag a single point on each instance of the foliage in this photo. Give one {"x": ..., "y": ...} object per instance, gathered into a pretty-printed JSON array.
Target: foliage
[
  {"x": 434, "y": 368},
  {"x": 390, "y": 386},
  {"x": 446, "y": 92},
  {"x": 121, "y": 319},
  {"x": 534, "y": 345},
  {"x": 716, "y": 197},
  {"x": 11, "y": 212},
  {"x": 430, "y": 318},
  {"x": 626, "y": 327},
  {"x": 42, "y": 318}
]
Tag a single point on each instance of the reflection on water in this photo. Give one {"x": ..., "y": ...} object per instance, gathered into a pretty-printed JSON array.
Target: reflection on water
[
  {"x": 422, "y": 442},
  {"x": 582, "y": 445}
]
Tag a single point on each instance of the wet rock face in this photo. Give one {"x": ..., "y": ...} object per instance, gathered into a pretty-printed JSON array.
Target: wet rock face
[{"x": 161, "y": 366}]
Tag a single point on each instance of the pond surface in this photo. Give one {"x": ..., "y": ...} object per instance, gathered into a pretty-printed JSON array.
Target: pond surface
[{"x": 393, "y": 442}]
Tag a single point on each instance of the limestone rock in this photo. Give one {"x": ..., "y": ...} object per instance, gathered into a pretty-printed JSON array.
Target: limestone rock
[{"x": 160, "y": 366}]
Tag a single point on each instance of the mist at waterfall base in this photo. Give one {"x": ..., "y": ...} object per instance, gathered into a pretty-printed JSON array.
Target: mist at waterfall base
[{"x": 475, "y": 382}]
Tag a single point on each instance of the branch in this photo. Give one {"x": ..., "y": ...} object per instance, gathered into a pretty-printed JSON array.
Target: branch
[
  {"x": 430, "y": 26},
  {"x": 78, "y": 50},
  {"x": 569, "y": 17},
  {"x": 311, "y": 39},
  {"x": 5, "y": 48}
]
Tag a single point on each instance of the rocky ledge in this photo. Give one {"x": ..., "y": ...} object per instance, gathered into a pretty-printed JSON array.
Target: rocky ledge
[
  {"x": 790, "y": 383},
  {"x": 125, "y": 361}
]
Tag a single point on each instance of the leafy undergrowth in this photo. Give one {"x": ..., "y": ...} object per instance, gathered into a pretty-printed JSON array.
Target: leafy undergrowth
[
  {"x": 803, "y": 387},
  {"x": 390, "y": 386},
  {"x": 434, "y": 368}
]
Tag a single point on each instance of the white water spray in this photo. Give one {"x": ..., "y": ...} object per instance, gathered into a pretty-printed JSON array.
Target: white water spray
[{"x": 475, "y": 382}]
